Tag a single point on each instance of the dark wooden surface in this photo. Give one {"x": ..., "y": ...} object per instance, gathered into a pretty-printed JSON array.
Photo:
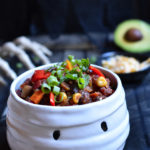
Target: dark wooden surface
[{"x": 137, "y": 94}]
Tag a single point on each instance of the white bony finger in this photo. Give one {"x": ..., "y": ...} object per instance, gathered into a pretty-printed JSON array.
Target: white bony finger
[
  {"x": 22, "y": 56},
  {"x": 43, "y": 48},
  {"x": 35, "y": 46},
  {"x": 26, "y": 44},
  {"x": 2, "y": 80},
  {"x": 7, "y": 69},
  {"x": 38, "y": 53}
]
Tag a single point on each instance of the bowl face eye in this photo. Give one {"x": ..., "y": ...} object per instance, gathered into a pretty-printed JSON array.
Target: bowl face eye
[{"x": 127, "y": 77}]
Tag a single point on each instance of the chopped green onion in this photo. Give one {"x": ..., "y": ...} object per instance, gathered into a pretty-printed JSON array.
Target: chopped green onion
[
  {"x": 56, "y": 90},
  {"x": 45, "y": 88},
  {"x": 59, "y": 100},
  {"x": 19, "y": 65},
  {"x": 76, "y": 70},
  {"x": 63, "y": 78},
  {"x": 59, "y": 67},
  {"x": 36, "y": 59},
  {"x": 70, "y": 57},
  {"x": 78, "y": 61},
  {"x": 71, "y": 76},
  {"x": 52, "y": 81},
  {"x": 93, "y": 59},
  {"x": 81, "y": 83},
  {"x": 59, "y": 73},
  {"x": 55, "y": 66},
  {"x": 64, "y": 64},
  {"x": 84, "y": 68},
  {"x": 53, "y": 72},
  {"x": 66, "y": 70},
  {"x": 84, "y": 64},
  {"x": 72, "y": 60},
  {"x": 86, "y": 78}
]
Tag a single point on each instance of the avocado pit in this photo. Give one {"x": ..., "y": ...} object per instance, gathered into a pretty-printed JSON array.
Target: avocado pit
[{"x": 133, "y": 35}]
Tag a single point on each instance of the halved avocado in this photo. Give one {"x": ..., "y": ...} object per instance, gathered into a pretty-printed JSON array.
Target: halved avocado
[{"x": 133, "y": 36}]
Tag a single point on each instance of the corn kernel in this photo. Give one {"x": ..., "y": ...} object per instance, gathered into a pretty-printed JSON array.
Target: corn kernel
[
  {"x": 76, "y": 98},
  {"x": 101, "y": 82},
  {"x": 62, "y": 96}
]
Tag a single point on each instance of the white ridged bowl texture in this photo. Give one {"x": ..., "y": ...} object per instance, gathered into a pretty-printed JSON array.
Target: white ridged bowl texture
[{"x": 31, "y": 126}]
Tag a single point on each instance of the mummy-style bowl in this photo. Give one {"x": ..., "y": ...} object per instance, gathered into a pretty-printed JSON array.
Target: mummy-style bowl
[{"x": 102, "y": 125}]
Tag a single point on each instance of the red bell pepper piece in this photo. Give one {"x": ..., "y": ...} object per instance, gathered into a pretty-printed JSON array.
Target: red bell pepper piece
[
  {"x": 51, "y": 98},
  {"x": 96, "y": 71},
  {"x": 40, "y": 74}
]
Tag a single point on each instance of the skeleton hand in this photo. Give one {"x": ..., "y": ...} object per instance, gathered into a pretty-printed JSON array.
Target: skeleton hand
[{"x": 18, "y": 48}]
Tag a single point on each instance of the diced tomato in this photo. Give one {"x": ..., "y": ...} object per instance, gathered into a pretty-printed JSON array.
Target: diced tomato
[{"x": 40, "y": 74}]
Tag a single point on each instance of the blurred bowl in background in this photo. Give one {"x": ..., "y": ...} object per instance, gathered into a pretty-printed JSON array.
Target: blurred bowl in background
[{"x": 132, "y": 77}]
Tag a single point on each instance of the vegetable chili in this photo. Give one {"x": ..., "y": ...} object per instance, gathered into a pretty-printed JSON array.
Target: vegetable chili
[{"x": 73, "y": 82}]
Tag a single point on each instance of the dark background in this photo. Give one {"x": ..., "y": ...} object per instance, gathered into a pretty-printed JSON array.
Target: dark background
[
  {"x": 54, "y": 17},
  {"x": 57, "y": 17}
]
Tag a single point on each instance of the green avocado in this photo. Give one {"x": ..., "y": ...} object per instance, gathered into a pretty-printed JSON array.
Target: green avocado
[{"x": 133, "y": 36}]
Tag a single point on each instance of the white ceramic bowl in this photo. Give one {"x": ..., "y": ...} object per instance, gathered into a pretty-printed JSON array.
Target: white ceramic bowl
[{"x": 102, "y": 125}]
